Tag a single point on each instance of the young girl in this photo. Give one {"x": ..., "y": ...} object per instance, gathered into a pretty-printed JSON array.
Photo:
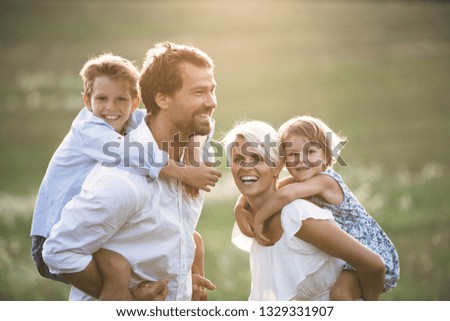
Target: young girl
[{"x": 308, "y": 145}]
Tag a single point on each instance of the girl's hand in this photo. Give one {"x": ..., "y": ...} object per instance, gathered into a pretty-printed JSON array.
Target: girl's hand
[
  {"x": 258, "y": 231},
  {"x": 244, "y": 220}
]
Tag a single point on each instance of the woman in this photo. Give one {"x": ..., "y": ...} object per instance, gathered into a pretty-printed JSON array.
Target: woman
[{"x": 309, "y": 248}]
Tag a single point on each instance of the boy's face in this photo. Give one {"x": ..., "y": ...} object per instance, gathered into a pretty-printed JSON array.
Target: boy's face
[{"x": 111, "y": 100}]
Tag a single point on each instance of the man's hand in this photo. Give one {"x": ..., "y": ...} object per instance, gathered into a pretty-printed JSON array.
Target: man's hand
[
  {"x": 150, "y": 291},
  {"x": 199, "y": 283}
]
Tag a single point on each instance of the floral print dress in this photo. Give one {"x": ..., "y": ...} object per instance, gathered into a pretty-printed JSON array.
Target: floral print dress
[{"x": 354, "y": 219}]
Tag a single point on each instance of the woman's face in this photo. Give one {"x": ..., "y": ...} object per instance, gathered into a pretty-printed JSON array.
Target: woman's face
[{"x": 253, "y": 176}]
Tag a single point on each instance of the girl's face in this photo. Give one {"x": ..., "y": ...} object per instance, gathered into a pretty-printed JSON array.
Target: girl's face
[
  {"x": 304, "y": 158},
  {"x": 252, "y": 175}
]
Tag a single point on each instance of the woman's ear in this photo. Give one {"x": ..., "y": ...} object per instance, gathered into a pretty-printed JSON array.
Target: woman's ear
[
  {"x": 277, "y": 169},
  {"x": 87, "y": 102},
  {"x": 162, "y": 100}
]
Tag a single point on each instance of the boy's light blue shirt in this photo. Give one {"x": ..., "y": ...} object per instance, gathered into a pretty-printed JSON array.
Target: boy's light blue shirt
[{"x": 89, "y": 141}]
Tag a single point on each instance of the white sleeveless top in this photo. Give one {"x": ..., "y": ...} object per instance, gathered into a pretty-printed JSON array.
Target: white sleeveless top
[{"x": 292, "y": 269}]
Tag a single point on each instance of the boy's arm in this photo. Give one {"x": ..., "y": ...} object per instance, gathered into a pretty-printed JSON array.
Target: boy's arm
[
  {"x": 316, "y": 185},
  {"x": 244, "y": 219},
  {"x": 101, "y": 143},
  {"x": 201, "y": 176}
]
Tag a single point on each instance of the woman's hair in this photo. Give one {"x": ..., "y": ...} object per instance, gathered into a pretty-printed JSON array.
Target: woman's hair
[
  {"x": 258, "y": 134},
  {"x": 316, "y": 131},
  {"x": 160, "y": 72},
  {"x": 114, "y": 67}
]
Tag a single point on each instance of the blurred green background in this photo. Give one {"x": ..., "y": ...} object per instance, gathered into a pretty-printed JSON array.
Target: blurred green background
[{"x": 377, "y": 71}]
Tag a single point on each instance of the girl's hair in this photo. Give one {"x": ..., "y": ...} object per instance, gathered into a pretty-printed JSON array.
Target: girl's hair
[
  {"x": 160, "y": 72},
  {"x": 258, "y": 134},
  {"x": 114, "y": 67},
  {"x": 316, "y": 131}
]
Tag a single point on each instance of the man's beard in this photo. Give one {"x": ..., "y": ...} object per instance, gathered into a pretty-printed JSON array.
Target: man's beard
[{"x": 194, "y": 129}]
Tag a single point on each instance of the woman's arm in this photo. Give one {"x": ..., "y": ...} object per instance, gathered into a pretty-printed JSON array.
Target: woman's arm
[{"x": 331, "y": 239}]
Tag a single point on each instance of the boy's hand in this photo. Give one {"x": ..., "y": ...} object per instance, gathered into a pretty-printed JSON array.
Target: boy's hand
[
  {"x": 150, "y": 291},
  {"x": 191, "y": 191},
  {"x": 201, "y": 177},
  {"x": 199, "y": 283}
]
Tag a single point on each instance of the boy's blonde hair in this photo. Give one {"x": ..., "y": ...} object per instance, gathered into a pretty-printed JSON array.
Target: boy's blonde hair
[
  {"x": 316, "y": 131},
  {"x": 111, "y": 66}
]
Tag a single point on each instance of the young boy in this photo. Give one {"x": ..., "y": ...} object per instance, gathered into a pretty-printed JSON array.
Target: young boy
[{"x": 111, "y": 95}]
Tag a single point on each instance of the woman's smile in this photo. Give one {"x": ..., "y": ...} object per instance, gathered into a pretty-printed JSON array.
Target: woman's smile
[{"x": 248, "y": 180}]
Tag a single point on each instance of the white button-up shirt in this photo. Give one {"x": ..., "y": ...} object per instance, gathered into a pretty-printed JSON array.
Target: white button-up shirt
[
  {"x": 86, "y": 144},
  {"x": 151, "y": 223}
]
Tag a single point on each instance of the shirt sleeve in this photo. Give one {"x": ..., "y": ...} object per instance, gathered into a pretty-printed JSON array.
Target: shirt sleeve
[
  {"x": 103, "y": 144},
  {"x": 240, "y": 240},
  {"x": 88, "y": 221},
  {"x": 293, "y": 215}
]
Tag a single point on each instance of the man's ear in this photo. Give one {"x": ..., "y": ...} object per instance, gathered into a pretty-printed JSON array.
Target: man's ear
[
  {"x": 135, "y": 103},
  {"x": 87, "y": 102},
  {"x": 162, "y": 100}
]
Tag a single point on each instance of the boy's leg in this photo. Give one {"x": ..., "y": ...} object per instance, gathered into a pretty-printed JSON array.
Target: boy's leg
[
  {"x": 347, "y": 287},
  {"x": 116, "y": 273},
  {"x": 37, "y": 242}
]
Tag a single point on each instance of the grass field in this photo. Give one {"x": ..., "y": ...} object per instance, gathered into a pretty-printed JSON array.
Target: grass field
[{"x": 378, "y": 71}]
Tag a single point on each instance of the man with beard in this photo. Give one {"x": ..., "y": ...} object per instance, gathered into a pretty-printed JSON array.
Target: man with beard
[{"x": 150, "y": 223}]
